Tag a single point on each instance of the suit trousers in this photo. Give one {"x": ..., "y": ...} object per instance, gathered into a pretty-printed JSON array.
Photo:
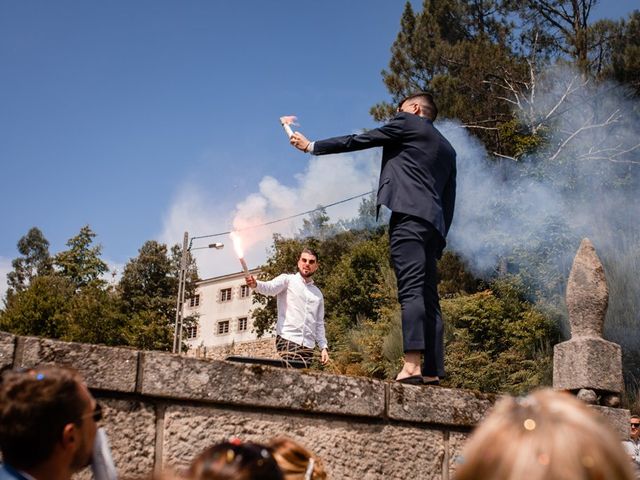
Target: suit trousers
[{"x": 414, "y": 245}]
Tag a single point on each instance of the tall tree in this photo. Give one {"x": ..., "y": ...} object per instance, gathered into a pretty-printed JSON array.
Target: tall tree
[
  {"x": 149, "y": 281},
  {"x": 34, "y": 261},
  {"x": 566, "y": 22},
  {"x": 81, "y": 263},
  {"x": 41, "y": 309},
  {"x": 625, "y": 53},
  {"x": 444, "y": 49},
  {"x": 148, "y": 289}
]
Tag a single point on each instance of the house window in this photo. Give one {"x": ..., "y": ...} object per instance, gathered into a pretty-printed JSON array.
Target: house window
[
  {"x": 244, "y": 291},
  {"x": 191, "y": 332},
  {"x": 194, "y": 301},
  {"x": 225, "y": 294},
  {"x": 223, "y": 327},
  {"x": 242, "y": 324}
]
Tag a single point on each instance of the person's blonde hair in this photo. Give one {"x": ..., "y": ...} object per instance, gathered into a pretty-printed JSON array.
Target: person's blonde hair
[
  {"x": 546, "y": 435},
  {"x": 295, "y": 461}
]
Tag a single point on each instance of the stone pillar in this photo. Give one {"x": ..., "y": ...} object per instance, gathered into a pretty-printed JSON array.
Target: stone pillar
[{"x": 587, "y": 364}]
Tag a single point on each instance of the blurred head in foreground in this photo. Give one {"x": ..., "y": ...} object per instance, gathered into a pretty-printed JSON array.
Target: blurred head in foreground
[
  {"x": 296, "y": 462},
  {"x": 546, "y": 435},
  {"x": 235, "y": 460}
]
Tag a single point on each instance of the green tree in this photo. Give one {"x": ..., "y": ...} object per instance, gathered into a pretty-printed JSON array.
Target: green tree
[
  {"x": 81, "y": 263},
  {"x": 355, "y": 277},
  {"x": 41, "y": 309},
  {"x": 149, "y": 289},
  {"x": 496, "y": 341},
  {"x": 34, "y": 261},
  {"x": 625, "y": 53},
  {"x": 149, "y": 281},
  {"x": 444, "y": 49},
  {"x": 94, "y": 316}
]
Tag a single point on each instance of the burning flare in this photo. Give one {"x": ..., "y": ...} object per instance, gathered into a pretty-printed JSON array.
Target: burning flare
[
  {"x": 286, "y": 123},
  {"x": 237, "y": 246}
]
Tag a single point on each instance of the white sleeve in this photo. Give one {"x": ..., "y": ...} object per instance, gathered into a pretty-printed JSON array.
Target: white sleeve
[
  {"x": 321, "y": 338},
  {"x": 273, "y": 287}
]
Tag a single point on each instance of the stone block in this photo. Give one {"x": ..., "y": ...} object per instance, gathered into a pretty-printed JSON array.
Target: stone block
[
  {"x": 457, "y": 441},
  {"x": 173, "y": 376},
  {"x": 7, "y": 349},
  {"x": 103, "y": 368},
  {"x": 617, "y": 418},
  {"x": 444, "y": 406},
  {"x": 587, "y": 293},
  {"x": 349, "y": 450},
  {"x": 587, "y": 362},
  {"x": 131, "y": 428}
]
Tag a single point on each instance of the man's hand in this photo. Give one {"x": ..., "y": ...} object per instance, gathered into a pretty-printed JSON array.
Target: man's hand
[
  {"x": 251, "y": 281},
  {"x": 324, "y": 356},
  {"x": 299, "y": 141}
]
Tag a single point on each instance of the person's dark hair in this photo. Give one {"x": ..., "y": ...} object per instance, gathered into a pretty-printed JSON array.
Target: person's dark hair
[
  {"x": 310, "y": 251},
  {"x": 235, "y": 460},
  {"x": 35, "y": 405},
  {"x": 431, "y": 109}
]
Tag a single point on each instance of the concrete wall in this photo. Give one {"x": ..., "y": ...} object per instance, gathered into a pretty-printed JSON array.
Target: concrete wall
[{"x": 162, "y": 410}]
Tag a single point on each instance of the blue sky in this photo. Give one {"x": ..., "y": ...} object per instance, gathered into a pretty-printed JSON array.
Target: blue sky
[{"x": 144, "y": 118}]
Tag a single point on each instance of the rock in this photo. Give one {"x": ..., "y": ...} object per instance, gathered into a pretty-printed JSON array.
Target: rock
[{"x": 588, "y": 396}]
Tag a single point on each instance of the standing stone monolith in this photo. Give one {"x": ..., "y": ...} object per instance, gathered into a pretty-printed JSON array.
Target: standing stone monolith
[{"x": 587, "y": 361}]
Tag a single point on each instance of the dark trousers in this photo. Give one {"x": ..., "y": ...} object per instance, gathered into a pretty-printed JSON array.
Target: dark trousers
[{"x": 414, "y": 244}]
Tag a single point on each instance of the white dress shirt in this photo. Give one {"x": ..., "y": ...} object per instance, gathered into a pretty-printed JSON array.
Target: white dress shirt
[
  {"x": 632, "y": 447},
  {"x": 300, "y": 309}
]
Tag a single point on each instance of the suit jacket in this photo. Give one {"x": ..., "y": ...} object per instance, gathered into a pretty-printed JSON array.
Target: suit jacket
[{"x": 418, "y": 174}]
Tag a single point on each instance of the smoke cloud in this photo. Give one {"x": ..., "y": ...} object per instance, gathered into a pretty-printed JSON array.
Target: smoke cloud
[
  {"x": 318, "y": 184},
  {"x": 530, "y": 216}
]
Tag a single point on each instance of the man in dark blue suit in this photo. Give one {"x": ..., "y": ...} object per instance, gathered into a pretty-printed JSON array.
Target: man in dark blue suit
[{"x": 418, "y": 184}]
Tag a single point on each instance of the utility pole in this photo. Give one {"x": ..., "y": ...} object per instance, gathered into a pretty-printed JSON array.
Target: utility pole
[{"x": 182, "y": 277}]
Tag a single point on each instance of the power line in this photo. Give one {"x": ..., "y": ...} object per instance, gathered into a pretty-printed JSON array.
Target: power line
[{"x": 321, "y": 207}]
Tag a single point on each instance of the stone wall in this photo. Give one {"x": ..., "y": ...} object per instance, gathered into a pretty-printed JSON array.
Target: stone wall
[
  {"x": 263, "y": 348},
  {"x": 162, "y": 409}
]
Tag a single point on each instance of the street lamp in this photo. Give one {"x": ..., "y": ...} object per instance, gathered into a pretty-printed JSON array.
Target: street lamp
[{"x": 182, "y": 280}]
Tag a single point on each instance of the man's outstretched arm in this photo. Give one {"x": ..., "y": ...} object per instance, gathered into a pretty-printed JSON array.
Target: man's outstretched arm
[{"x": 377, "y": 137}]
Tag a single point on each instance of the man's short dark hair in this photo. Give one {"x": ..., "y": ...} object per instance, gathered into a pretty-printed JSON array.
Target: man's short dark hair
[
  {"x": 310, "y": 251},
  {"x": 35, "y": 405},
  {"x": 429, "y": 103}
]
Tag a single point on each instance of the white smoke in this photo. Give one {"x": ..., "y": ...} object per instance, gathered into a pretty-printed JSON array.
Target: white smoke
[
  {"x": 324, "y": 181},
  {"x": 583, "y": 182}
]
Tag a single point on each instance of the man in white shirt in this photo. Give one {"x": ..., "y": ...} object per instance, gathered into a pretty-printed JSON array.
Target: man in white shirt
[
  {"x": 632, "y": 446},
  {"x": 300, "y": 324}
]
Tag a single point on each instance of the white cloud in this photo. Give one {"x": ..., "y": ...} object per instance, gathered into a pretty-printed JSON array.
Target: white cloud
[
  {"x": 326, "y": 180},
  {"x": 113, "y": 275}
]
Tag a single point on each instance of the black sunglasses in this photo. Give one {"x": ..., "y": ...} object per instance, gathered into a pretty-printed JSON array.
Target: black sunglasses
[
  {"x": 635, "y": 425},
  {"x": 96, "y": 414}
]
